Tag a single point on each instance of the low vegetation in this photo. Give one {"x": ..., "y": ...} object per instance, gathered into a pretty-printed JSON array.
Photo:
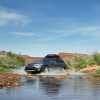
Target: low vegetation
[
  {"x": 96, "y": 57},
  {"x": 10, "y": 61},
  {"x": 79, "y": 63}
]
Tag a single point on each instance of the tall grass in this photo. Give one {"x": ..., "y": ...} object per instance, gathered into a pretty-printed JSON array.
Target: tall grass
[{"x": 10, "y": 61}]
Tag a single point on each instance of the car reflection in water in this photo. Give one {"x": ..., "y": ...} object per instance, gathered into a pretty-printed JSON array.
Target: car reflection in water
[{"x": 50, "y": 86}]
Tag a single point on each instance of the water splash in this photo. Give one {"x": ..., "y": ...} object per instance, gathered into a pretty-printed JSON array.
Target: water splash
[
  {"x": 51, "y": 71},
  {"x": 57, "y": 71}
]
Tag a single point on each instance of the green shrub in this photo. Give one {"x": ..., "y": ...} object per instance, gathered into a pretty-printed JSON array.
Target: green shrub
[
  {"x": 96, "y": 58},
  {"x": 81, "y": 62},
  {"x": 98, "y": 71},
  {"x": 78, "y": 63},
  {"x": 91, "y": 61},
  {"x": 10, "y": 61},
  {"x": 4, "y": 69}
]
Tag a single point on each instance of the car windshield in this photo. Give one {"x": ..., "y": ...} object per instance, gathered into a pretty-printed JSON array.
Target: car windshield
[{"x": 38, "y": 62}]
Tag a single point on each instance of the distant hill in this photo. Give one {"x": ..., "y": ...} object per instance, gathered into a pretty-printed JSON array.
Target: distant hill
[
  {"x": 69, "y": 56},
  {"x": 65, "y": 56},
  {"x": 30, "y": 59}
]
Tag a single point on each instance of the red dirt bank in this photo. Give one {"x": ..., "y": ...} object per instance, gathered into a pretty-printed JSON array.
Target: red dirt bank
[{"x": 9, "y": 80}]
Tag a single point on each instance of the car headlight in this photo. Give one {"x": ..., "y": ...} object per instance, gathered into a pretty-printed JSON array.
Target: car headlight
[{"x": 37, "y": 65}]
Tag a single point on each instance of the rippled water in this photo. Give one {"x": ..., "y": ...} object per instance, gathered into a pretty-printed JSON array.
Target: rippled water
[{"x": 54, "y": 89}]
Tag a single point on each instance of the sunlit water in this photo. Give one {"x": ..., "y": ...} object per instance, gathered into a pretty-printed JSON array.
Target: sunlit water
[
  {"x": 39, "y": 88},
  {"x": 56, "y": 71}
]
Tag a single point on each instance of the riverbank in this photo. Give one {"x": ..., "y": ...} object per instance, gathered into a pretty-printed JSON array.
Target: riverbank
[
  {"x": 12, "y": 79},
  {"x": 9, "y": 80}
]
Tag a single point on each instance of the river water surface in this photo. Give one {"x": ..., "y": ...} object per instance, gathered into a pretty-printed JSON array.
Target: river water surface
[{"x": 50, "y": 88}]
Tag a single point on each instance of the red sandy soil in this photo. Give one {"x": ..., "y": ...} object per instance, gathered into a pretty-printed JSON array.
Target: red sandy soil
[
  {"x": 9, "y": 80},
  {"x": 90, "y": 69}
]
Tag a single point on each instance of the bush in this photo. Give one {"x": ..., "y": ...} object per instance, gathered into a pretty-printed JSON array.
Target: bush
[
  {"x": 4, "y": 69},
  {"x": 91, "y": 61},
  {"x": 98, "y": 71},
  {"x": 78, "y": 63},
  {"x": 11, "y": 60},
  {"x": 81, "y": 62},
  {"x": 96, "y": 58}
]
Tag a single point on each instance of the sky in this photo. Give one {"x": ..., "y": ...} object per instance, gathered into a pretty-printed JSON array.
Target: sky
[{"x": 39, "y": 27}]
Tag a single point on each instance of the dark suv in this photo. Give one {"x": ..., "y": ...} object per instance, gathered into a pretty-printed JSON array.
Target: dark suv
[{"x": 53, "y": 61}]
